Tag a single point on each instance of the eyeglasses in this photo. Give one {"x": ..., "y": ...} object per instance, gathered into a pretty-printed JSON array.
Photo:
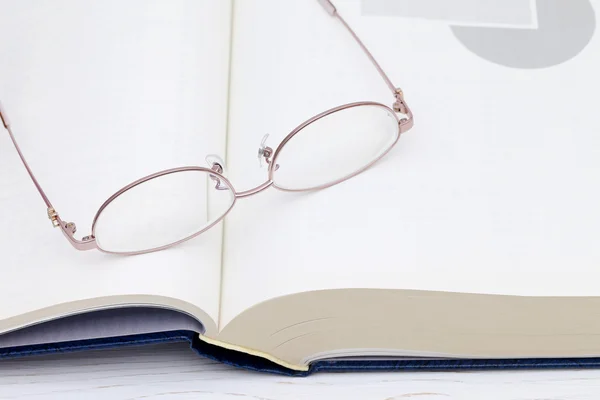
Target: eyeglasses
[{"x": 172, "y": 206}]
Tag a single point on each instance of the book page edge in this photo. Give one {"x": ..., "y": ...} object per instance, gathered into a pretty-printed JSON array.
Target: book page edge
[{"x": 252, "y": 352}]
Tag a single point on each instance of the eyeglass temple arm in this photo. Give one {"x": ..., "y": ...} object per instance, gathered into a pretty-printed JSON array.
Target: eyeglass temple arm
[
  {"x": 68, "y": 228},
  {"x": 400, "y": 104}
]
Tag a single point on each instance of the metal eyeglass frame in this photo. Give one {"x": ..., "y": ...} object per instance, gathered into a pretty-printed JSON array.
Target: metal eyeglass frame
[{"x": 89, "y": 242}]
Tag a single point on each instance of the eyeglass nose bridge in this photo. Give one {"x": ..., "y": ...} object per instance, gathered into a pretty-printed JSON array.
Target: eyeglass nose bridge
[{"x": 255, "y": 190}]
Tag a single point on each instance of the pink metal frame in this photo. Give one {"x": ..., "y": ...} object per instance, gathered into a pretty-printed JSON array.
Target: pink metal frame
[{"x": 405, "y": 123}]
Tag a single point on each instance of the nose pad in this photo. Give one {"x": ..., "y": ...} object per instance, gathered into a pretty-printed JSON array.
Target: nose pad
[
  {"x": 217, "y": 164},
  {"x": 264, "y": 151}
]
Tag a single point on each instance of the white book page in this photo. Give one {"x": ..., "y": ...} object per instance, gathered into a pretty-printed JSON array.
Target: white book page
[
  {"x": 101, "y": 94},
  {"x": 494, "y": 191}
]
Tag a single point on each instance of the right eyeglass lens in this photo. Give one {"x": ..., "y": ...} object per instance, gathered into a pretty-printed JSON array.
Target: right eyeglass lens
[
  {"x": 335, "y": 147},
  {"x": 162, "y": 211}
]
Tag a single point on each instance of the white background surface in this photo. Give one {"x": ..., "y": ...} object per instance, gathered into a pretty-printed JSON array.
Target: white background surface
[{"x": 174, "y": 372}]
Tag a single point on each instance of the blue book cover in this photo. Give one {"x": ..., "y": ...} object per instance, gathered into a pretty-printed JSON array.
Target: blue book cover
[{"x": 243, "y": 360}]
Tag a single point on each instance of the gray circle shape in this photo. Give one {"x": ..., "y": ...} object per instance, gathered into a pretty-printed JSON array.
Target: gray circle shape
[{"x": 566, "y": 27}]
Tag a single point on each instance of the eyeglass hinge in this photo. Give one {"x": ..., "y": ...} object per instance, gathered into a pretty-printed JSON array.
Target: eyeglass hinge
[
  {"x": 53, "y": 216},
  {"x": 401, "y": 107},
  {"x": 400, "y": 104}
]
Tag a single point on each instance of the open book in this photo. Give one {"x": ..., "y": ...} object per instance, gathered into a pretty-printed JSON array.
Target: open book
[{"x": 475, "y": 237}]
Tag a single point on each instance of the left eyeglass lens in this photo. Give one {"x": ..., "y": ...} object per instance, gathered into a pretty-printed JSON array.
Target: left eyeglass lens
[{"x": 162, "y": 211}]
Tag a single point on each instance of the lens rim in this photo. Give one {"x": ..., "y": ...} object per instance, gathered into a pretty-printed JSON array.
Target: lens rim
[
  {"x": 317, "y": 117},
  {"x": 149, "y": 178}
]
